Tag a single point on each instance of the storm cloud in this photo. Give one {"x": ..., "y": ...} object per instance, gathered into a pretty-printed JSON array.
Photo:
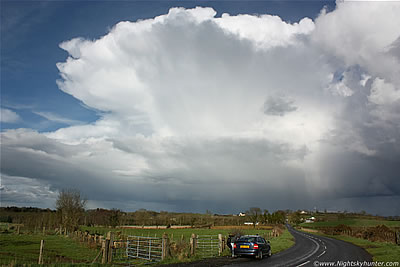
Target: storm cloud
[{"x": 223, "y": 113}]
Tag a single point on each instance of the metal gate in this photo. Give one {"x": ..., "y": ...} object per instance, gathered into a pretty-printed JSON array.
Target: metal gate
[
  {"x": 207, "y": 245},
  {"x": 145, "y": 248}
]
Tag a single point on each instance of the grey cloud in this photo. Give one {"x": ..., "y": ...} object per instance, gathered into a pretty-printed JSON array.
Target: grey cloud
[
  {"x": 278, "y": 106},
  {"x": 26, "y": 192},
  {"x": 360, "y": 158},
  {"x": 207, "y": 175}
]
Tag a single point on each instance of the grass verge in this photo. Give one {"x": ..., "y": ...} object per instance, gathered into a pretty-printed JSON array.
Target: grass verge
[{"x": 283, "y": 242}]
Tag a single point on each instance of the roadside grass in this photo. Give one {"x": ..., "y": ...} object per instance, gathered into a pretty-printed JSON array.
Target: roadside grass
[
  {"x": 283, "y": 242},
  {"x": 24, "y": 249},
  {"x": 355, "y": 222}
]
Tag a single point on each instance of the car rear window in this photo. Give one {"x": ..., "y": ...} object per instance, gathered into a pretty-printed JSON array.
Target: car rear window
[{"x": 247, "y": 239}]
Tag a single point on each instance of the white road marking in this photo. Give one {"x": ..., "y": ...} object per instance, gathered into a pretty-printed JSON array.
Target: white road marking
[
  {"x": 321, "y": 254},
  {"x": 303, "y": 263}
]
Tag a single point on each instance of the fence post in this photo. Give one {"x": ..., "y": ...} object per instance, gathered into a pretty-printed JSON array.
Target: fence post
[
  {"x": 41, "y": 251},
  {"x": 165, "y": 246},
  {"x": 104, "y": 248},
  {"x": 150, "y": 249},
  {"x": 110, "y": 236},
  {"x": 192, "y": 244},
  {"x": 220, "y": 245}
]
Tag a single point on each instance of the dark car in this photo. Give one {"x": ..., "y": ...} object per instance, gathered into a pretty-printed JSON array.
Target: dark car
[{"x": 252, "y": 245}]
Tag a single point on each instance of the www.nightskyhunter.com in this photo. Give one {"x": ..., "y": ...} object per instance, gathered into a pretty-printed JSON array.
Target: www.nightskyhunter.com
[{"x": 355, "y": 263}]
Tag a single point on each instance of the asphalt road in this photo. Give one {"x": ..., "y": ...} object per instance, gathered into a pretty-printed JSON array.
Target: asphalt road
[{"x": 310, "y": 250}]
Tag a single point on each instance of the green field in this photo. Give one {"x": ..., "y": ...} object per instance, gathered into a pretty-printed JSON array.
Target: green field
[
  {"x": 24, "y": 249},
  {"x": 174, "y": 234},
  {"x": 355, "y": 222}
]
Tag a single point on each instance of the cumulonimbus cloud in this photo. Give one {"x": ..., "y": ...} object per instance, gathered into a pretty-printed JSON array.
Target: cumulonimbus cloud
[{"x": 187, "y": 100}]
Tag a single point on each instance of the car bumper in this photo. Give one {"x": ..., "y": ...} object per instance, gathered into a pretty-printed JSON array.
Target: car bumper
[{"x": 247, "y": 252}]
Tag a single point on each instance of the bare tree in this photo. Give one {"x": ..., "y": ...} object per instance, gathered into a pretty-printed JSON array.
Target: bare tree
[
  {"x": 70, "y": 206},
  {"x": 254, "y": 214}
]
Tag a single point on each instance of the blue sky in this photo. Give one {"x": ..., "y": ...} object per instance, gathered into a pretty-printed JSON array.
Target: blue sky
[{"x": 178, "y": 106}]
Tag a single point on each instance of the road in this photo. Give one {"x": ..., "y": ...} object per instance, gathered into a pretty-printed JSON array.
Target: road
[{"x": 310, "y": 250}]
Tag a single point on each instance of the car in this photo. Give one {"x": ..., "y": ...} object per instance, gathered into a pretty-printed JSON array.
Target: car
[{"x": 252, "y": 245}]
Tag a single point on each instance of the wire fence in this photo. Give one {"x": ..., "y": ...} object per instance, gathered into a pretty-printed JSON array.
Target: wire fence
[{"x": 145, "y": 248}]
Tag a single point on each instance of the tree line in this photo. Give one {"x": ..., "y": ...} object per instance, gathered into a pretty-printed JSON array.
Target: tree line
[{"x": 70, "y": 213}]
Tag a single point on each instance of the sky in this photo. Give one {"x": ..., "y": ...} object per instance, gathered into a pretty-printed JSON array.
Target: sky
[{"x": 194, "y": 106}]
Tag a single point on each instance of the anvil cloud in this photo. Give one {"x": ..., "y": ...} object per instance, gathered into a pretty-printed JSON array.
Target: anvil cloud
[{"x": 223, "y": 113}]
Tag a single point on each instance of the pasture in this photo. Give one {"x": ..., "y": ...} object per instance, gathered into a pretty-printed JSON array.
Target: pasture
[
  {"x": 176, "y": 234},
  {"x": 23, "y": 248},
  {"x": 352, "y": 222}
]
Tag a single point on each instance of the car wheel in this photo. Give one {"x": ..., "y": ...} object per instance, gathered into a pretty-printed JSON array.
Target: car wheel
[{"x": 269, "y": 253}]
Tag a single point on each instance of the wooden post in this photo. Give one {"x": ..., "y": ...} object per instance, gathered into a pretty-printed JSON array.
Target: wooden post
[
  {"x": 110, "y": 236},
  {"x": 165, "y": 246},
  {"x": 104, "y": 247},
  {"x": 192, "y": 244},
  {"x": 44, "y": 230},
  {"x": 41, "y": 252},
  {"x": 220, "y": 245}
]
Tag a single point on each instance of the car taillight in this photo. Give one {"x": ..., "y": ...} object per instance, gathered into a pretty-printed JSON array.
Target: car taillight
[
  {"x": 255, "y": 246},
  {"x": 234, "y": 245}
]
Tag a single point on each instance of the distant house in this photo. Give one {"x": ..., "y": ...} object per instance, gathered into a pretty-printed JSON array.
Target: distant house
[
  {"x": 249, "y": 223},
  {"x": 310, "y": 220},
  {"x": 242, "y": 214},
  {"x": 303, "y": 212}
]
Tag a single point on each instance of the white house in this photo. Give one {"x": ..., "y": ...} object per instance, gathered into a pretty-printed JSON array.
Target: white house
[{"x": 310, "y": 220}]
